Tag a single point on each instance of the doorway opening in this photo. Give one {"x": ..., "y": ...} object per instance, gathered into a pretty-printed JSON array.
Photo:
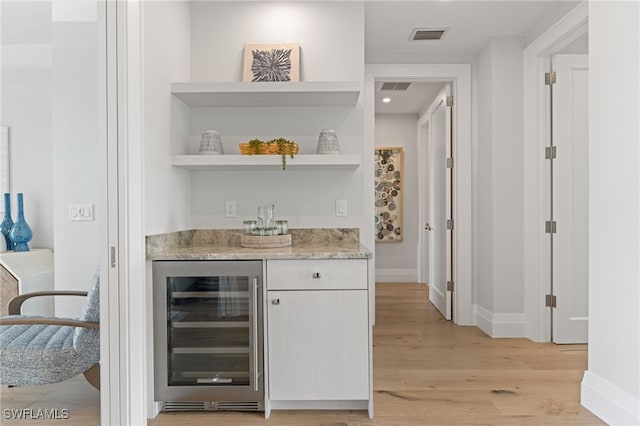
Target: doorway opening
[{"x": 459, "y": 77}]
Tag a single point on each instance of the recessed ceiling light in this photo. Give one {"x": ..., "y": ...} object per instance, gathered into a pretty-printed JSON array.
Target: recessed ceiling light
[{"x": 386, "y": 100}]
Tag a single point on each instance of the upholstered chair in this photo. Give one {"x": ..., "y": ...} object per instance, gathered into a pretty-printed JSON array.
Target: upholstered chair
[{"x": 36, "y": 350}]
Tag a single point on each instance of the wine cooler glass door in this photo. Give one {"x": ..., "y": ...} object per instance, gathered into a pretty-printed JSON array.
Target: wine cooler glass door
[{"x": 211, "y": 329}]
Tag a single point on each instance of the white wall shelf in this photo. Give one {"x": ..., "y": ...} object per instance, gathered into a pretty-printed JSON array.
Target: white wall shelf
[
  {"x": 267, "y": 162},
  {"x": 268, "y": 94}
]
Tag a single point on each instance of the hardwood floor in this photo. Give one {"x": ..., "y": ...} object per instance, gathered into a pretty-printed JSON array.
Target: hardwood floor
[{"x": 427, "y": 371}]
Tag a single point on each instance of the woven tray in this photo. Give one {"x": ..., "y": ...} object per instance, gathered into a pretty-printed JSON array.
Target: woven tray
[{"x": 265, "y": 241}]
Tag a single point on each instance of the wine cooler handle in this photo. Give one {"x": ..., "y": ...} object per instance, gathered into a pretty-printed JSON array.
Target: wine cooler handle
[{"x": 255, "y": 334}]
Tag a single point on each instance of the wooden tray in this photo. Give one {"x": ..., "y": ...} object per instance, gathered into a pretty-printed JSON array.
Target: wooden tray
[{"x": 265, "y": 241}]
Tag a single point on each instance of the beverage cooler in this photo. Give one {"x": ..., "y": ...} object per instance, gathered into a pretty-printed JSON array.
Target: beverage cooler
[{"x": 208, "y": 335}]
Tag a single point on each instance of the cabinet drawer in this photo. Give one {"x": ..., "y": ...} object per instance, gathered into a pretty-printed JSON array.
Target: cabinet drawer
[{"x": 317, "y": 274}]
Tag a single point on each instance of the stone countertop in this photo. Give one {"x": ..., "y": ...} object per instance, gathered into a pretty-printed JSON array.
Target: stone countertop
[{"x": 224, "y": 245}]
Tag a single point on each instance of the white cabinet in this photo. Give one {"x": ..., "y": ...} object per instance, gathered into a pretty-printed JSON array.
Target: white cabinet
[
  {"x": 318, "y": 330},
  {"x": 318, "y": 345}
]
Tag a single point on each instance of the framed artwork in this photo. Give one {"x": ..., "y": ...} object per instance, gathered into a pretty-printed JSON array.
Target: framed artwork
[
  {"x": 388, "y": 194},
  {"x": 271, "y": 62}
]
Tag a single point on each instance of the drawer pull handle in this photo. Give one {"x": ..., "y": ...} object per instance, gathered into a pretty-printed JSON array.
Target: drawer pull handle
[
  {"x": 275, "y": 302},
  {"x": 316, "y": 275}
]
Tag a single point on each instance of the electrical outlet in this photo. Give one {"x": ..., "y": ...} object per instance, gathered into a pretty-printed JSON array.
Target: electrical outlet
[
  {"x": 341, "y": 207},
  {"x": 230, "y": 209}
]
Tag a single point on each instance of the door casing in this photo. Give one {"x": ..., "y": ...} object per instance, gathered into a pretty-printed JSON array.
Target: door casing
[
  {"x": 460, "y": 76},
  {"x": 536, "y": 61}
]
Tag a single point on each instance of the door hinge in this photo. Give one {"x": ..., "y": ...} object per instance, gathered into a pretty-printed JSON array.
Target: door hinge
[
  {"x": 549, "y": 152},
  {"x": 450, "y": 163},
  {"x": 449, "y": 285},
  {"x": 550, "y": 301},
  {"x": 550, "y": 78},
  {"x": 550, "y": 227},
  {"x": 449, "y": 101},
  {"x": 113, "y": 257},
  {"x": 450, "y": 224}
]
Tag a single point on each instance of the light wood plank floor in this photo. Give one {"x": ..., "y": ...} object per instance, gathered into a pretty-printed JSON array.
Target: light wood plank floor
[{"x": 427, "y": 371}]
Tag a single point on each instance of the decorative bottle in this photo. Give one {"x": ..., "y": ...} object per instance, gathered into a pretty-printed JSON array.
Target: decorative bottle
[
  {"x": 7, "y": 222},
  {"x": 20, "y": 234}
]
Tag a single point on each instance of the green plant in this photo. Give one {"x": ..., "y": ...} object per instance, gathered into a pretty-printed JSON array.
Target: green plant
[{"x": 280, "y": 146}]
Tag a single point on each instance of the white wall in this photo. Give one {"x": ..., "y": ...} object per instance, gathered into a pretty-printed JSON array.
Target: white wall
[
  {"x": 330, "y": 34},
  {"x": 26, "y": 108},
  {"x": 166, "y": 59},
  {"x": 398, "y": 261},
  {"x": 611, "y": 386},
  {"x": 76, "y": 151},
  {"x": 236, "y": 23},
  {"x": 50, "y": 101},
  {"x": 499, "y": 264}
]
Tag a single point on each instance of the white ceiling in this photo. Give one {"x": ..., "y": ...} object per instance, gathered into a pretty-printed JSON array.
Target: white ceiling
[
  {"x": 412, "y": 101},
  {"x": 471, "y": 24}
]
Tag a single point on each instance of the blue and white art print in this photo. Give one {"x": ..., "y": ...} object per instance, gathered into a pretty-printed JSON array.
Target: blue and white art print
[{"x": 271, "y": 62}]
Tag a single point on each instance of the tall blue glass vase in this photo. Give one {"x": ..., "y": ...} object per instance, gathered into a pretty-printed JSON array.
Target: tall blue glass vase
[
  {"x": 21, "y": 232},
  {"x": 7, "y": 222}
]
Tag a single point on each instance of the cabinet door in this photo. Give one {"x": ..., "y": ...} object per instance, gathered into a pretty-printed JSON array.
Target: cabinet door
[{"x": 318, "y": 345}]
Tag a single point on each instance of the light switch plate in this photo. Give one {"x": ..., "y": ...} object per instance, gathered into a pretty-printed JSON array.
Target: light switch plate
[
  {"x": 341, "y": 207},
  {"x": 80, "y": 212},
  {"x": 230, "y": 209}
]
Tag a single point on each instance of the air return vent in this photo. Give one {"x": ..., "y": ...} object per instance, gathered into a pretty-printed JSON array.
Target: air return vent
[
  {"x": 428, "y": 33},
  {"x": 395, "y": 86}
]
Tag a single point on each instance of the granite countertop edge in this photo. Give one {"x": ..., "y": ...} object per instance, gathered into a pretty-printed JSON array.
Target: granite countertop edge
[
  {"x": 241, "y": 253},
  {"x": 225, "y": 244}
]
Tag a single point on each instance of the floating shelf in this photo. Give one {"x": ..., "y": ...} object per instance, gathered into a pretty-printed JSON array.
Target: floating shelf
[
  {"x": 267, "y": 162},
  {"x": 268, "y": 94}
]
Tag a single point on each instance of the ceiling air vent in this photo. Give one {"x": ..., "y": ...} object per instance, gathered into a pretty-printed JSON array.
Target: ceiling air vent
[
  {"x": 428, "y": 33},
  {"x": 395, "y": 86}
]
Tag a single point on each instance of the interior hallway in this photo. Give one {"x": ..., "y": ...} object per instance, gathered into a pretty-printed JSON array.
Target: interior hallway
[{"x": 427, "y": 371}]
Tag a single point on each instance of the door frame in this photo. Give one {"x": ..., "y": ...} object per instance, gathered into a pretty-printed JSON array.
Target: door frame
[
  {"x": 536, "y": 61},
  {"x": 460, "y": 77},
  {"x": 123, "y": 302}
]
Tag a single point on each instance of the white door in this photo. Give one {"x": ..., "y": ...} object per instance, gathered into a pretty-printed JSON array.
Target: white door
[
  {"x": 570, "y": 202},
  {"x": 440, "y": 266}
]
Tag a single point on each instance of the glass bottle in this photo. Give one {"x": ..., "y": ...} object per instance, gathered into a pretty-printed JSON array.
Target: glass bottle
[
  {"x": 7, "y": 222},
  {"x": 21, "y": 232}
]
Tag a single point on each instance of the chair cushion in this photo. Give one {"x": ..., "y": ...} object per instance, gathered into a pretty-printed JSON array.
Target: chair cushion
[
  {"x": 41, "y": 354},
  {"x": 86, "y": 338}
]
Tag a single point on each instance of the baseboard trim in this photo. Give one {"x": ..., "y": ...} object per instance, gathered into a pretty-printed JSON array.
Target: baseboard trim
[
  {"x": 499, "y": 325},
  {"x": 392, "y": 275},
  {"x": 607, "y": 401}
]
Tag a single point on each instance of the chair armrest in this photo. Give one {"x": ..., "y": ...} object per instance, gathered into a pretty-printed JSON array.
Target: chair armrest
[
  {"x": 49, "y": 321},
  {"x": 15, "y": 304}
]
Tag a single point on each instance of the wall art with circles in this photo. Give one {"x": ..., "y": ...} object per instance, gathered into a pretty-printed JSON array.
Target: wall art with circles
[{"x": 388, "y": 194}]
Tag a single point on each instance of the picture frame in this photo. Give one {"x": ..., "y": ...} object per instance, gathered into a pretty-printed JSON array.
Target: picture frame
[
  {"x": 271, "y": 62},
  {"x": 389, "y": 191}
]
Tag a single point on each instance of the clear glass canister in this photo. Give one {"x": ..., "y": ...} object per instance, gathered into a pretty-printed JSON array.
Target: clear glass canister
[
  {"x": 282, "y": 226},
  {"x": 249, "y": 227}
]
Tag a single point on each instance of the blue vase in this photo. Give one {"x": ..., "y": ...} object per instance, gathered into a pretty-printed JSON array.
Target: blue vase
[
  {"x": 20, "y": 234},
  {"x": 7, "y": 222}
]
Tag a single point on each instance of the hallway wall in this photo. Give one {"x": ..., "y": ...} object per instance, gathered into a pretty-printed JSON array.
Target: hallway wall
[
  {"x": 398, "y": 261},
  {"x": 611, "y": 386},
  {"x": 499, "y": 263}
]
